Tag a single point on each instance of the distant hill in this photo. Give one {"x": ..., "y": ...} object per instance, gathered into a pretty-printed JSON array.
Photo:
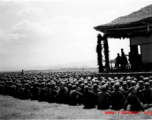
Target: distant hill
[{"x": 82, "y": 64}]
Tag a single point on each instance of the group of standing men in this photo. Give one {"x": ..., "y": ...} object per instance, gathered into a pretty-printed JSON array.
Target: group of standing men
[{"x": 121, "y": 61}]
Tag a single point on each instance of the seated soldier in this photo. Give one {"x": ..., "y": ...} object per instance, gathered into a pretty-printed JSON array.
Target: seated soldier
[
  {"x": 124, "y": 89},
  {"x": 52, "y": 92},
  {"x": 26, "y": 92},
  {"x": 74, "y": 95},
  {"x": 134, "y": 101},
  {"x": 42, "y": 92},
  {"x": 60, "y": 97},
  {"x": 67, "y": 93},
  {"x": 147, "y": 101},
  {"x": 90, "y": 98},
  {"x": 140, "y": 90},
  {"x": 117, "y": 98},
  {"x": 104, "y": 97},
  {"x": 35, "y": 91}
]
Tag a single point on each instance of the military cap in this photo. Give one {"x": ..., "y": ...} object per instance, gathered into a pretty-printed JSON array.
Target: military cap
[
  {"x": 141, "y": 82},
  {"x": 103, "y": 87},
  {"x": 103, "y": 82},
  {"x": 128, "y": 81},
  {"x": 86, "y": 87},
  {"x": 76, "y": 83},
  {"x": 95, "y": 85},
  {"x": 49, "y": 84},
  {"x": 109, "y": 78},
  {"x": 70, "y": 85},
  {"x": 150, "y": 81},
  {"x": 115, "y": 78},
  {"x": 117, "y": 85},
  {"x": 82, "y": 85},
  {"x": 53, "y": 84},
  {"x": 141, "y": 78},
  {"x": 134, "y": 90},
  {"x": 120, "y": 81},
  {"x": 128, "y": 78},
  {"x": 124, "y": 84},
  {"x": 146, "y": 79},
  {"x": 147, "y": 84},
  {"x": 133, "y": 82},
  {"x": 112, "y": 82},
  {"x": 73, "y": 86}
]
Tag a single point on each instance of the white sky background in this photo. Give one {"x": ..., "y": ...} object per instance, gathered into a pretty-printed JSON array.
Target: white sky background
[{"x": 39, "y": 33}]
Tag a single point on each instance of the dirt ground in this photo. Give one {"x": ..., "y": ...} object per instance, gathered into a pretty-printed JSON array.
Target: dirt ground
[{"x": 12, "y": 108}]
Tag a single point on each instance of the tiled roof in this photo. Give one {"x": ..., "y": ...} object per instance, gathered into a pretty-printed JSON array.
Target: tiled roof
[{"x": 140, "y": 17}]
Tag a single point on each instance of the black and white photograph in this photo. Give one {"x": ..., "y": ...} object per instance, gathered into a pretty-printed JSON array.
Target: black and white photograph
[{"x": 75, "y": 59}]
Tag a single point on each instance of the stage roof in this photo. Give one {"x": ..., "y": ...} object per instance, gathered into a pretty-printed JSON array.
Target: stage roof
[{"x": 134, "y": 24}]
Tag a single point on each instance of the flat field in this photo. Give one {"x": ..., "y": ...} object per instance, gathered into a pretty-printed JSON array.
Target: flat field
[{"x": 12, "y": 108}]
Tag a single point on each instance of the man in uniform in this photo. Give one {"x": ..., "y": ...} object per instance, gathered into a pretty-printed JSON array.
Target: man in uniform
[
  {"x": 134, "y": 101},
  {"x": 26, "y": 92},
  {"x": 124, "y": 89},
  {"x": 104, "y": 98},
  {"x": 117, "y": 98},
  {"x": 61, "y": 93},
  {"x": 90, "y": 98},
  {"x": 74, "y": 95},
  {"x": 52, "y": 92}
]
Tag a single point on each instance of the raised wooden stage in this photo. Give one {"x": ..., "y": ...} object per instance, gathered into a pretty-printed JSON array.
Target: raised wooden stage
[{"x": 125, "y": 74}]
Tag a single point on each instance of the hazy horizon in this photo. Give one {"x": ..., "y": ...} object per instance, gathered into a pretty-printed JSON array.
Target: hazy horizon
[{"x": 52, "y": 32}]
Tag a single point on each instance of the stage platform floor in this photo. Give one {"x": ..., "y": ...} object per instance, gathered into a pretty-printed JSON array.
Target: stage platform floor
[{"x": 125, "y": 74}]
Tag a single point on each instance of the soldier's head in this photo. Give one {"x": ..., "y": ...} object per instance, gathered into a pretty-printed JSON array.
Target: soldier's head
[
  {"x": 124, "y": 85},
  {"x": 147, "y": 85},
  {"x": 134, "y": 91},
  {"x": 117, "y": 85},
  {"x": 133, "y": 83},
  {"x": 146, "y": 79},
  {"x": 141, "y": 78},
  {"x": 141, "y": 84},
  {"x": 86, "y": 88},
  {"x": 49, "y": 85},
  {"x": 103, "y": 88},
  {"x": 70, "y": 86},
  {"x": 74, "y": 87},
  {"x": 82, "y": 85},
  {"x": 121, "y": 82},
  {"x": 150, "y": 82},
  {"x": 112, "y": 83},
  {"x": 95, "y": 86},
  {"x": 129, "y": 83}
]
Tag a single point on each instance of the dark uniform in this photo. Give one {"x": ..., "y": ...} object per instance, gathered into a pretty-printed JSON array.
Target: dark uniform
[
  {"x": 52, "y": 92},
  {"x": 134, "y": 101},
  {"x": 26, "y": 92},
  {"x": 124, "y": 89},
  {"x": 117, "y": 98},
  {"x": 140, "y": 90},
  {"x": 74, "y": 96},
  {"x": 61, "y": 94},
  {"x": 90, "y": 98},
  {"x": 104, "y": 99},
  {"x": 67, "y": 94},
  {"x": 147, "y": 96},
  {"x": 42, "y": 93},
  {"x": 35, "y": 91}
]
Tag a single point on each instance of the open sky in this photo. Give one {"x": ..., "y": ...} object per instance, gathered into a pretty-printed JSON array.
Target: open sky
[{"x": 40, "y": 33}]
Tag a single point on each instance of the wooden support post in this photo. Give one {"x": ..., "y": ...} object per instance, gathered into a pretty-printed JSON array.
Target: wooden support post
[
  {"x": 99, "y": 52},
  {"x": 106, "y": 52}
]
